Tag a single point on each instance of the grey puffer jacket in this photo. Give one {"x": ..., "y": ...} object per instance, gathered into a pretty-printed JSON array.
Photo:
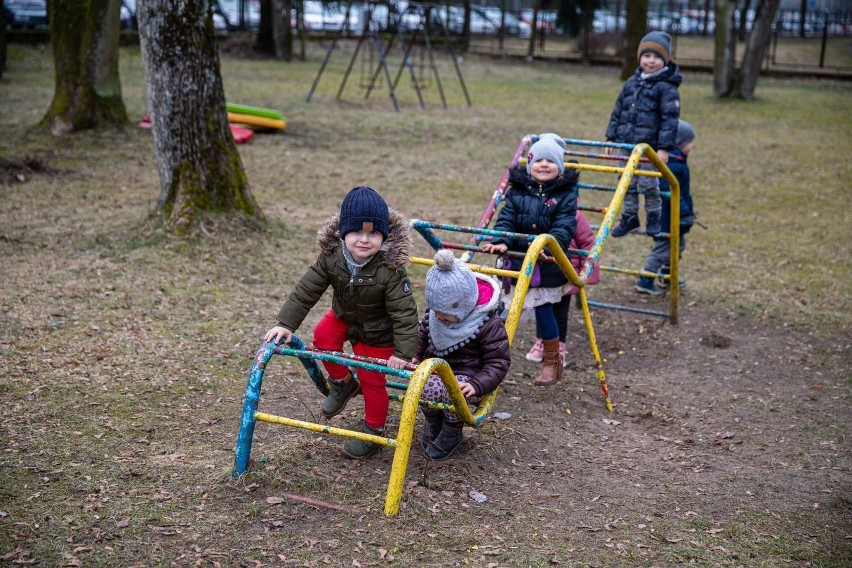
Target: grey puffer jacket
[
  {"x": 647, "y": 110},
  {"x": 377, "y": 304}
]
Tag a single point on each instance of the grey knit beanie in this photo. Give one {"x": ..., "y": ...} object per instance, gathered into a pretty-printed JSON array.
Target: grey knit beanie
[
  {"x": 553, "y": 136},
  {"x": 658, "y": 42},
  {"x": 546, "y": 149},
  {"x": 685, "y": 134},
  {"x": 363, "y": 209},
  {"x": 451, "y": 286}
]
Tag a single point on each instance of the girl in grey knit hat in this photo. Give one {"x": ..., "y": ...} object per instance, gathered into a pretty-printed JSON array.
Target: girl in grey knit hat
[{"x": 462, "y": 326}]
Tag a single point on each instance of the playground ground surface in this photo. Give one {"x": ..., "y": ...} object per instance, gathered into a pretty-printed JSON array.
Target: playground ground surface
[{"x": 124, "y": 352}]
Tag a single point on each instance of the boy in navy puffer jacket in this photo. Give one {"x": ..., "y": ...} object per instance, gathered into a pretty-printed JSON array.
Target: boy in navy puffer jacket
[{"x": 647, "y": 110}]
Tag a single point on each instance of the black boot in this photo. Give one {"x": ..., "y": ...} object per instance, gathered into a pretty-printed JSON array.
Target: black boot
[
  {"x": 629, "y": 222},
  {"x": 431, "y": 428},
  {"x": 341, "y": 392},
  {"x": 448, "y": 441}
]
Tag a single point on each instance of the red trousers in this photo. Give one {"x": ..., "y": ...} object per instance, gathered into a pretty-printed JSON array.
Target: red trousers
[{"x": 330, "y": 335}]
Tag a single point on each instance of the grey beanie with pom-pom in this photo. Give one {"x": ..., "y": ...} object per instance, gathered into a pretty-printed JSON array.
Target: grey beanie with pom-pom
[{"x": 450, "y": 286}]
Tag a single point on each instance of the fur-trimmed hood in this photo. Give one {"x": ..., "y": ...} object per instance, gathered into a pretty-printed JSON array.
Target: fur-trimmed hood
[{"x": 396, "y": 248}]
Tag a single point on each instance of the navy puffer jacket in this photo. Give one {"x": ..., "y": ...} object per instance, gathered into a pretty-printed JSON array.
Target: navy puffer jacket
[
  {"x": 533, "y": 208},
  {"x": 647, "y": 110}
]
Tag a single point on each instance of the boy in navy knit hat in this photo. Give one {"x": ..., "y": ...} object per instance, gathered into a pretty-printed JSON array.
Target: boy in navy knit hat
[
  {"x": 462, "y": 325},
  {"x": 647, "y": 110},
  {"x": 363, "y": 253}
]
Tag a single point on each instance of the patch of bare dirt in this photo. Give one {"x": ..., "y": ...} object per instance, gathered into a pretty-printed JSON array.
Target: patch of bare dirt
[{"x": 22, "y": 169}]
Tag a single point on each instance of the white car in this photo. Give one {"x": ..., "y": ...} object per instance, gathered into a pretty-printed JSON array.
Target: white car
[{"x": 321, "y": 18}]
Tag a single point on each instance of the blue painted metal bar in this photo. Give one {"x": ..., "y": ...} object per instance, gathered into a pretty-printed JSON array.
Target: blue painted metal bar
[
  {"x": 340, "y": 359},
  {"x": 628, "y": 309},
  {"x": 419, "y": 223},
  {"x": 595, "y": 143},
  {"x": 242, "y": 450},
  {"x": 310, "y": 365}
]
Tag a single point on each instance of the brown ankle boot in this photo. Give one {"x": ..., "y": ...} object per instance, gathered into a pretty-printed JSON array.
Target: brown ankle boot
[{"x": 551, "y": 370}]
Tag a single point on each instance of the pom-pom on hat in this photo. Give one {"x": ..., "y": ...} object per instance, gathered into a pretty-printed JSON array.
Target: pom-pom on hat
[
  {"x": 685, "y": 134},
  {"x": 363, "y": 209},
  {"x": 451, "y": 286},
  {"x": 657, "y": 42},
  {"x": 546, "y": 149},
  {"x": 553, "y": 136}
]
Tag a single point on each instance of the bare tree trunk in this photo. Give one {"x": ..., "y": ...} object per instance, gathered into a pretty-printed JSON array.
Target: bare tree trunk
[
  {"x": 637, "y": 27},
  {"x": 725, "y": 49},
  {"x": 802, "y": 15},
  {"x": 200, "y": 169},
  {"x": 2, "y": 39},
  {"x": 758, "y": 42},
  {"x": 534, "y": 31},
  {"x": 741, "y": 32},
  {"x": 274, "y": 35},
  {"x": 264, "y": 42},
  {"x": 705, "y": 23},
  {"x": 87, "y": 91},
  {"x": 465, "y": 45}
]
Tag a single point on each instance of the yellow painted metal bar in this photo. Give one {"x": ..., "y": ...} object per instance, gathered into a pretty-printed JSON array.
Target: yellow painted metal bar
[
  {"x": 674, "y": 229},
  {"x": 587, "y": 317},
  {"x": 408, "y": 418},
  {"x": 605, "y": 169},
  {"x": 273, "y": 419},
  {"x": 614, "y": 207}
]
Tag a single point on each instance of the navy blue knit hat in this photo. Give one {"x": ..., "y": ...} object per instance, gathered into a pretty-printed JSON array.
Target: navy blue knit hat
[
  {"x": 363, "y": 209},
  {"x": 657, "y": 42}
]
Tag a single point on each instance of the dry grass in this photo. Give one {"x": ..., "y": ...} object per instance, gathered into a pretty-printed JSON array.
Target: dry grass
[{"x": 123, "y": 352}]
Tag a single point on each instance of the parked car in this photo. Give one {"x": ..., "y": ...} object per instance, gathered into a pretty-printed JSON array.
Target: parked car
[
  {"x": 230, "y": 11},
  {"x": 319, "y": 17},
  {"x": 546, "y": 19},
  {"x": 606, "y": 21},
  {"x": 479, "y": 22},
  {"x": 25, "y": 14},
  {"x": 511, "y": 23}
]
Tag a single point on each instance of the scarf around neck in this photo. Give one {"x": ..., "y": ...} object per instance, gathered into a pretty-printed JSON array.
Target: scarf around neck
[
  {"x": 448, "y": 337},
  {"x": 354, "y": 267}
]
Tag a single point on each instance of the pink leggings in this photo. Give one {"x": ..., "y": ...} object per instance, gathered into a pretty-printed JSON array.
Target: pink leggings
[{"x": 330, "y": 335}]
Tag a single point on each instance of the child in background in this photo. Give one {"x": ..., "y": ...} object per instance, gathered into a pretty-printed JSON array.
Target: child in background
[
  {"x": 462, "y": 325},
  {"x": 647, "y": 110},
  {"x": 583, "y": 239},
  {"x": 658, "y": 258},
  {"x": 363, "y": 253},
  {"x": 541, "y": 199}
]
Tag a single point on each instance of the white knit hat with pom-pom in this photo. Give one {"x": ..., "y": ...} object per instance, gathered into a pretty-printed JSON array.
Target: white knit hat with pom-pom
[{"x": 451, "y": 286}]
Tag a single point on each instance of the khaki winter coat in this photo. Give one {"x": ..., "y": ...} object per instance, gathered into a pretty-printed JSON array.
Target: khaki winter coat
[{"x": 377, "y": 304}]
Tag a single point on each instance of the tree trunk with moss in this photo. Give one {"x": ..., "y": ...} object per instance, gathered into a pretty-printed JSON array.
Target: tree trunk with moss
[
  {"x": 637, "y": 27},
  {"x": 87, "y": 93},
  {"x": 201, "y": 173}
]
